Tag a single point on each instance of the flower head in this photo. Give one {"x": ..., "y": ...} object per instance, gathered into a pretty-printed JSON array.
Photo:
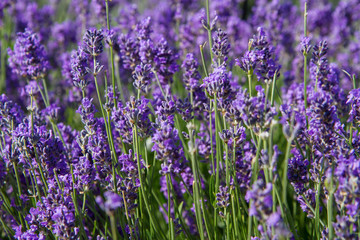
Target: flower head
[
  {"x": 92, "y": 42},
  {"x": 28, "y": 59}
]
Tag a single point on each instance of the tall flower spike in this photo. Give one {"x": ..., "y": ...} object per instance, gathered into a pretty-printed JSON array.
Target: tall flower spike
[
  {"x": 191, "y": 74},
  {"x": 320, "y": 50},
  {"x": 305, "y": 45},
  {"x": 223, "y": 198},
  {"x": 142, "y": 76},
  {"x": 79, "y": 71},
  {"x": 165, "y": 62},
  {"x": 129, "y": 51},
  {"x": 143, "y": 29},
  {"x": 28, "y": 59},
  {"x": 248, "y": 62},
  {"x": 218, "y": 83},
  {"x": 354, "y": 102},
  {"x": 221, "y": 46},
  {"x": 92, "y": 41}
]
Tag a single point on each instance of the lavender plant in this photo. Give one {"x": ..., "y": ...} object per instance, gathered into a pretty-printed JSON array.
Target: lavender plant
[{"x": 179, "y": 119}]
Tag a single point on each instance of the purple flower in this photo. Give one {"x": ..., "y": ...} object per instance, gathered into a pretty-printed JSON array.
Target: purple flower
[
  {"x": 218, "y": 83},
  {"x": 129, "y": 51},
  {"x": 112, "y": 202},
  {"x": 298, "y": 171},
  {"x": 165, "y": 62},
  {"x": 347, "y": 194},
  {"x": 87, "y": 112},
  {"x": 255, "y": 112},
  {"x": 92, "y": 42},
  {"x": 79, "y": 64},
  {"x": 223, "y": 197},
  {"x": 137, "y": 113},
  {"x": 56, "y": 213},
  {"x": 221, "y": 45},
  {"x": 185, "y": 109},
  {"x": 320, "y": 51},
  {"x": 248, "y": 62},
  {"x": 354, "y": 102},
  {"x": 128, "y": 163},
  {"x": 305, "y": 45},
  {"x": 324, "y": 126},
  {"x": 63, "y": 34},
  {"x": 260, "y": 194},
  {"x": 261, "y": 208},
  {"x": 342, "y": 228},
  {"x": 143, "y": 29},
  {"x": 167, "y": 147},
  {"x": 142, "y": 77},
  {"x": 10, "y": 114},
  {"x": 260, "y": 58},
  {"x": 85, "y": 172},
  {"x": 191, "y": 74},
  {"x": 28, "y": 59},
  {"x": 38, "y": 19}
]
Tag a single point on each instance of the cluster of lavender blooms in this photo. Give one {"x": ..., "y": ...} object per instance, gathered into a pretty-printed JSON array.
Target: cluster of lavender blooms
[{"x": 179, "y": 119}]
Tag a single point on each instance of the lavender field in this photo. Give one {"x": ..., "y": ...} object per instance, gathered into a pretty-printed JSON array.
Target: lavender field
[{"x": 180, "y": 119}]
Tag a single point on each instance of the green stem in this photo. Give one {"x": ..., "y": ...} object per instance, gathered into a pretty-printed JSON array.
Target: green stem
[
  {"x": 218, "y": 147},
  {"x": 107, "y": 14},
  {"x": 46, "y": 91},
  {"x": 330, "y": 206},
  {"x": 74, "y": 198},
  {"x": 160, "y": 86},
  {"x": 354, "y": 81},
  {"x": 218, "y": 158},
  {"x": 211, "y": 142},
  {"x": 305, "y": 80},
  {"x": 176, "y": 207},
  {"x": 118, "y": 80},
  {"x": 266, "y": 96},
  {"x": 113, "y": 225},
  {"x": 172, "y": 232},
  {"x": 273, "y": 90},
  {"x": 106, "y": 123},
  {"x": 142, "y": 193},
  {"x": 317, "y": 211},
  {"x": 196, "y": 181},
  {"x": 84, "y": 203},
  {"x": 234, "y": 217},
  {"x": 227, "y": 166},
  {"x": 3, "y": 60},
  {"x": 17, "y": 178},
  {"x": 227, "y": 224},
  {"x": 317, "y": 206},
  {"x": 171, "y": 226},
  {"x": 285, "y": 177},
  {"x": 8, "y": 231},
  {"x": 249, "y": 227},
  {"x": 209, "y": 29},
  {"x": 42, "y": 94},
  {"x": 255, "y": 164},
  {"x": 249, "y": 75},
  {"x": 98, "y": 93},
  {"x": 203, "y": 60},
  {"x": 111, "y": 53},
  {"x": 305, "y": 19},
  {"x": 305, "y": 57},
  {"x": 127, "y": 214},
  {"x": 34, "y": 176}
]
